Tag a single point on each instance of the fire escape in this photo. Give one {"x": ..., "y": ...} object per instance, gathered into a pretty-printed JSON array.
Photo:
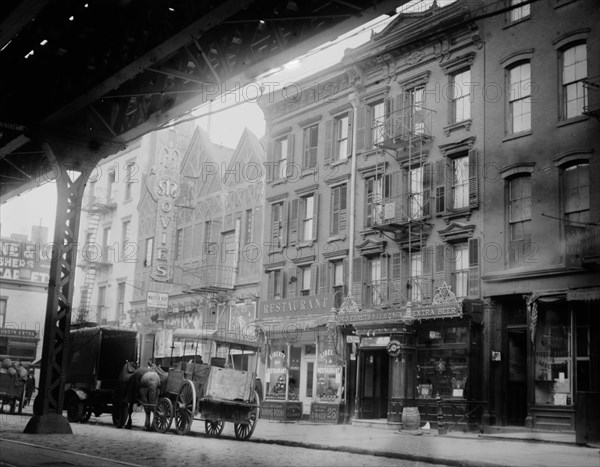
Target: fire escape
[
  {"x": 93, "y": 257},
  {"x": 404, "y": 207}
]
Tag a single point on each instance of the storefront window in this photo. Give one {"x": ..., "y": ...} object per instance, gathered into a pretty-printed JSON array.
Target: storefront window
[
  {"x": 553, "y": 372},
  {"x": 442, "y": 361},
  {"x": 329, "y": 372},
  {"x": 277, "y": 373}
]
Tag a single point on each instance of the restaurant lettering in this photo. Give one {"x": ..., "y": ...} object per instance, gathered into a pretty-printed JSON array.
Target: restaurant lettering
[
  {"x": 316, "y": 304},
  {"x": 426, "y": 312}
]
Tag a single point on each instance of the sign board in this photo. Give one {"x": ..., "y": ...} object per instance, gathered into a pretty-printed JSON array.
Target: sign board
[
  {"x": 292, "y": 307},
  {"x": 353, "y": 339},
  {"x": 157, "y": 300},
  {"x": 418, "y": 312}
]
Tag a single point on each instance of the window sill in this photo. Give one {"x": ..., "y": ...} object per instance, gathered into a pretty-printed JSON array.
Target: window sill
[
  {"x": 368, "y": 231},
  {"x": 305, "y": 244},
  {"x": 560, "y": 3},
  {"x": 279, "y": 181},
  {"x": 466, "y": 124},
  {"x": 569, "y": 121},
  {"x": 307, "y": 172},
  {"x": 510, "y": 24},
  {"x": 339, "y": 162},
  {"x": 456, "y": 213},
  {"x": 336, "y": 238},
  {"x": 518, "y": 135}
]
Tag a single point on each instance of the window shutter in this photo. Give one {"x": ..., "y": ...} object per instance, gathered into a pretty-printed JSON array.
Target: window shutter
[
  {"x": 328, "y": 141},
  {"x": 275, "y": 221},
  {"x": 271, "y": 286},
  {"x": 315, "y": 224},
  {"x": 388, "y": 108},
  {"x": 343, "y": 197},
  {"x": 314, "y": 149},
  {"x": 270, "y": 161},
  {"x": 289, "y": 169},
  {"x": 258, "y": 222},
  {"x": 396, "y": 194},
  {"x": 283, "y": 284},
  {"x": 350, "y": 132},
  {"x": 293, "y": 236},
  {"x": 345, "y": 277},
  {"x": 361, "y": 129},
  {"x": 440, "y": 266},
  {"x": 292, "y": 290},
  {"x": 404, "y": 197},
  {"x": 357, "y": 280},
  {"x": 367, "y": 208},
  {"x": 440, "y": 186},
  {"x": 383, "y": 288},
  {"x": 284, "y": 213},
  {"x": 314, "y": 275},
  {"x": 396, "y": 292},
  {"x": 428, "y": 260},
  {"x": 473, "y": 178},
  {"x": 427, "y": 183},
  {"x": 323, "y": 273},
  {"x": 474, "y": 274}
]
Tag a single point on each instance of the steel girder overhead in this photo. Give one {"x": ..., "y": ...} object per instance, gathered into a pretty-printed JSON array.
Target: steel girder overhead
[{"x": 99, "y": 73}]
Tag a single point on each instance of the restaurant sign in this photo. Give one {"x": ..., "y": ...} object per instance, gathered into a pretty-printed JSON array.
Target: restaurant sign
[
  {"x": 418, "y": 313},
  {"x": 288, "y": 307}
]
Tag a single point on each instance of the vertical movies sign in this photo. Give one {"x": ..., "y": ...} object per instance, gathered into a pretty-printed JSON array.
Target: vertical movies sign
[{"x": 164, "y": 188}]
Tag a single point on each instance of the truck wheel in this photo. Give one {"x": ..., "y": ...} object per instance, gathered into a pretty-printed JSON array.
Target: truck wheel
[
  {"x": 74, "y": 410},
  {"x": 87, "y": 413}
]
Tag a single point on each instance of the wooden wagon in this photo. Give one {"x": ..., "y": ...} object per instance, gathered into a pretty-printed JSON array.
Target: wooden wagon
[{"x": 198, "y": 391}]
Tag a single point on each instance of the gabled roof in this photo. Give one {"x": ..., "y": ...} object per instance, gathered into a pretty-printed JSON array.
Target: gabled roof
[{"x": 249, "y": 153}]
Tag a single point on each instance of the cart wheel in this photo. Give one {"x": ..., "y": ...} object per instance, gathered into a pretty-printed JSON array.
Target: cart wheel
[
  {"x": 163, "y": 415},
  {"x": 74, "y": 410},
  {"x": 87, "y": 413},
  {"x": 243, "y": 431},
  {"x": 214, "y": 427},
  {"x": 185, "y": 407}
]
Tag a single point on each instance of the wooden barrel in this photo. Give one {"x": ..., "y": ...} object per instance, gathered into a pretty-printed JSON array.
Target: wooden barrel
[{"x": 411, "y": 419}]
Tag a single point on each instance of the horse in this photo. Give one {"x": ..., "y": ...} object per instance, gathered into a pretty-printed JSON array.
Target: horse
[{"x": 139, "y": 385}]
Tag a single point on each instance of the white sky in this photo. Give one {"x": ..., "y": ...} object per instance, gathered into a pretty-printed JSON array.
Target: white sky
[{"x": 38, "y": 206}]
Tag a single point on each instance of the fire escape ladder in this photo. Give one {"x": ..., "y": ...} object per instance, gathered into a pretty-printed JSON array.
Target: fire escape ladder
[{"x": 89, "y": 265}]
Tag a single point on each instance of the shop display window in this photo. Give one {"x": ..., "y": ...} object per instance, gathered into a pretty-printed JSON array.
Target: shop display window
[
  {"x": 283, "y": 373},
  {"x": 329, "y": 372},
  {"x": 553, "y": 360},
  {"x": 442, "y": 361}
]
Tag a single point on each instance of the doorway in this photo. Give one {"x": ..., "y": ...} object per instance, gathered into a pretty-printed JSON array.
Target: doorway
[
  {"x": 375, "y": 382},
  {"x": 516, "y": 394}
]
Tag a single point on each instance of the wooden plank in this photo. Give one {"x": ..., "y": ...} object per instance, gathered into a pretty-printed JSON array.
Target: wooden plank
[{"x": 228, "y": 384}]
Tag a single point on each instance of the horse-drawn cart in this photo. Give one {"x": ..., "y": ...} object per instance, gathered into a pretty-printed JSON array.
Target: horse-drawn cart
[
  {"x": 215, "y": 395},
  {"x": 198, "y": 391}
]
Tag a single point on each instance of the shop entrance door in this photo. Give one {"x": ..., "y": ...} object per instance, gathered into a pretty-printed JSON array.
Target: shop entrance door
[
  {"x": 375, "y": 379},
  {"x": 516, "y": 394}
]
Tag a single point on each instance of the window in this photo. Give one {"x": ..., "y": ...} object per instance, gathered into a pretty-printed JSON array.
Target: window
[
  {"x": 281, "y": 157},
  {"x": 125, "y": 236},
  {"x": 149, "y": 251},
  {"x": 305, "y": 279},
  {"x": 519, "y": 98},
  {"x": 519, "y": 12},
  {"x": 308, "y": 214},
  {"x": 249, "y": 225},
  {"x": 309, "y": 147},
  {"x": 415, "y": 205},
  {"x": 101, "y": 304},
  {"x": 416, "y": 118},
  {"x": 583, "y": 348},
  {"x": 109, "y": 187},
  {"x": 461, "y": 96},
  {"x": 128, "y": 180},
  {"x": 574, "y": 73},
  {"x": 275, "y": 284},
  {"x": 375, "y": 194},
  {"x": 106, "y": 244},
  {"x": 519, "y": 216},
  {"x": 378, "y": 115},
  {"x": 3, "y": 305},
  {"x": 576, "y": 180},
  {"x": 460, "y": 182},
  {"x": 374, "y": 283},
  {"x": 121, "y": 300},
  {"x": 341, "y": 138},
  {"x": 416, "y": 273},
  {"x": 460, "y": 271},
  {"x": 337, "y": 277},
  {"x": 338, "y": 209},
  {"x": 277, "y": 224}
]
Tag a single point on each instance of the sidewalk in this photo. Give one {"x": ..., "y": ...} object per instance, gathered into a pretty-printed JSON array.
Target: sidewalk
[{"x": 457, "y": 449}]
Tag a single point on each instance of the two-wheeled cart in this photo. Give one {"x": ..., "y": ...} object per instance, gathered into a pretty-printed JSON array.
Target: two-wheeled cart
[{"x": 216, "y": 395}]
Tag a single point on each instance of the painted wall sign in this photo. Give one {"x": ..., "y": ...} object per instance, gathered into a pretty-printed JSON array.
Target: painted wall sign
[
  {"x": 25, "y": 261},
  {"x": 305, "y": 305},
  {"x": 423, "y": 312}
]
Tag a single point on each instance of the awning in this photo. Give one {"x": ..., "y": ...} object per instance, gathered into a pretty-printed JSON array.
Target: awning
[
  {"x": 292, "y": 326},
  {"x": 588, "y": 294},
  {"x": 235, "y": 340}
]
